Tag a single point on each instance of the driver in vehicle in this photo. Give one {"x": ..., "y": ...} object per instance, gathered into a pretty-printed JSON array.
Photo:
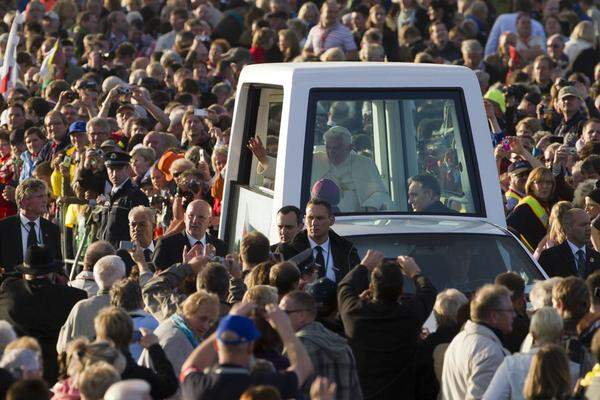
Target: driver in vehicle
[
  {"x": 424, "y": 195},
  {"x": 361, "y": 186}
]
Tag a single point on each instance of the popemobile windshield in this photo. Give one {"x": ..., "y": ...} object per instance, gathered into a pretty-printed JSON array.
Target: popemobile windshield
[{"x": 353, "y": 134}]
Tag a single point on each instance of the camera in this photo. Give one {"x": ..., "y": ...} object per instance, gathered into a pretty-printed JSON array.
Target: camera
[
  {"x": 124, "y": 90},
  {"x": 71, "y": 95},
  {"x": 157, "y": 201}
]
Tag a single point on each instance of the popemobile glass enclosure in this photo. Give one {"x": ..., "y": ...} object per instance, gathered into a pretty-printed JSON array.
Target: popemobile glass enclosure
[{"x": 354, "y": 133}]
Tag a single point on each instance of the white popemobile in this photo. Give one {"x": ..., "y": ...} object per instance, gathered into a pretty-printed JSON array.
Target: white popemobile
[{"x": 354, "y": 133}]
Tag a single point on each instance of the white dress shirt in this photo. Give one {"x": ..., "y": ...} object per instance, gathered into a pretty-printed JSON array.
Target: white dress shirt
[
  {"x": 574, "y": 250},
  {"x": 193, "y": 240},
  {"x": 25, "y": 232},
  {"x": 329, "y": 267}
]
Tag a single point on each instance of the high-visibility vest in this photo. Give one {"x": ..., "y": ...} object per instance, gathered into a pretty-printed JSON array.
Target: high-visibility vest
[
  {"x": 539, "y": 210},
  {"x": 511, "y": 194}
]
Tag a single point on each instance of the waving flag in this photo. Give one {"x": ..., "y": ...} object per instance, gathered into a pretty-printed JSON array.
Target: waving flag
[
  {"x": 9, "y": 72},
  {"x": 22, "y": 5},
  {"x": 47, "y": 68}
]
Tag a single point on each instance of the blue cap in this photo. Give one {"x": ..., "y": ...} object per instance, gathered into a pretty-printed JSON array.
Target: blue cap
[
  {"x": 77, "y": 126},
  {"x": 243, "y": 327}
]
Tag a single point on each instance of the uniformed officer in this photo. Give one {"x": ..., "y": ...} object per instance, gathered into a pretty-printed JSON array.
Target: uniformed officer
[{"x": 123, "y": 197}]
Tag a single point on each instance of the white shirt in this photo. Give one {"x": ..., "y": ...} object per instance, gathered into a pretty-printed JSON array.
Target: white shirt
[
  {"x": 115, "y": 189},
  {"x": 329, "y": 267},
  {"x": 193, "y": 240},
  {"x": 574, "y": 250},
  {"x": 25, "y": 232}
]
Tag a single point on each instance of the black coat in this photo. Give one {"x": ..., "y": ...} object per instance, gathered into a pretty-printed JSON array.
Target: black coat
[
  {"x": 163, "y": 381},
  {"x": 39, "y": 308},
  {"x": 526, "y": 226},
  {"x": 344, "y": 254},
  {"x": 11, "y": 248},
  {"x": 169, "y": 249},
  {"x": 114, "y": 225},
  {"x": 560, "y": 261},
  {"x": 438, "y": 208},
  {"x": 383, "y": 336}
]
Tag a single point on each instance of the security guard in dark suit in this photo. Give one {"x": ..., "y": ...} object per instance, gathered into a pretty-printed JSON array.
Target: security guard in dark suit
[{"x": 114, "y": 226}]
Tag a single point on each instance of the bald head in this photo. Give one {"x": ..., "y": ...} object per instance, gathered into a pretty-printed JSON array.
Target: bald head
[
  {"x": 577, "y": 226},
  {"x": 197, "y": 218}
]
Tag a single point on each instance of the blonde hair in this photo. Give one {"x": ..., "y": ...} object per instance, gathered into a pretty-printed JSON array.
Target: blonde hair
[
  {"x": 191, "y": 305},
  {"x": 24, "y": 342},
  {"x": 548, "y": 376},
  {"x": 537, "y": 174},
  {"x": 95, "y": 380},
  {"x": 81, "y": 354},
  {"x": 114, "y": 324},
  {"x": 556, "y": 231},
  {"x": 584, "y": 31},
  {"x": 261, "y": 295},
  {"x": 28, "y": 188},
  {"x": 147, "y": 153}
]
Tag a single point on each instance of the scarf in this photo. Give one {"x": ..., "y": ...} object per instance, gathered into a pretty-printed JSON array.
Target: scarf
[{"x": 181, "y": 325}]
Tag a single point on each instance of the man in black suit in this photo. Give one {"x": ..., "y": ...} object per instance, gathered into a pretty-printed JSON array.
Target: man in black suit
[
  {"x": 35, "y": 306},
  {"x": 424, "y": 195},
  {"x": 123, "y": 197},
  {"x": 28, "y": 228},
  {"x": 169, "y": 249},
  {"x": 142, "y": 221},
  {"x": 289, "y": 224},
  {"x": 333, "y": 255},
  {"x": 573, "y": 256}
]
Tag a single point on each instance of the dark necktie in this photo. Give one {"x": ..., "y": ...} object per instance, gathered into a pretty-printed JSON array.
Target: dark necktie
[
  {"x": 580, "y": 262},
  {"x": 31, "y": 236},
  {"x": 320, "y": 261},
  {"x": 147, "y": 255}
]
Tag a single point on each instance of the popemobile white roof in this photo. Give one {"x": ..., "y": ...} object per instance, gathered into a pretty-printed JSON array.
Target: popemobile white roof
[
  {"x": 355, "y": 74},
  {"x": 417, "y": 224}
]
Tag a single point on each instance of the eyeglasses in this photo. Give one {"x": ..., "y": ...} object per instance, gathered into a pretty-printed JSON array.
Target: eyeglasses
[
  {"x": 554, "y": 46},
  {"x": 176, "y": 174}
]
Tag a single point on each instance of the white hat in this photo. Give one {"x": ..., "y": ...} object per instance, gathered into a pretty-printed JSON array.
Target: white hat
[{"x": 130, "y": 389}]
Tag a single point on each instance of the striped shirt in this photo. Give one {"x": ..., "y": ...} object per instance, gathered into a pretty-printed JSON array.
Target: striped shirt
[{"x": 320, "y": 39}]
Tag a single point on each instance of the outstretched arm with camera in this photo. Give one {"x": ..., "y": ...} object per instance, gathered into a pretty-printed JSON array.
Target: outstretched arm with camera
[{"x": 112, "y": 96}]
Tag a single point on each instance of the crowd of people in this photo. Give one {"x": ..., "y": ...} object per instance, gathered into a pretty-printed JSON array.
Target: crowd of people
[{"x": 114, "y": 129}]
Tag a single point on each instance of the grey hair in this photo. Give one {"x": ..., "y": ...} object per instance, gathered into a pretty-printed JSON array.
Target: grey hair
[
  {"x": 338, "y": 132},
  {"x": 101, "y": 123},
  {"x": 7, "y": 335},
  {"x": 19, "y": 360},
  {"x": 482, "y": 76},
  {"x": 541, "y": 293},
  {"x": 447, "y": 304},
  {"x": 471, "y": 46},
  {"x": 96, "y": 251},
  {"x": 129, "y": 389},
  {"x": 546, "y": 326},
  {"x": 148, "y": 212},
  {"x": 108, "y": 270}
]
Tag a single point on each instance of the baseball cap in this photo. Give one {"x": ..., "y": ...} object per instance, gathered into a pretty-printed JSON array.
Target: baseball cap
[
  {"x": 497, "y": 97},
  {"x": 77, "y": 127},
  {"x": 242, "y": 327},
  {"x": 518, "y": 167},
  {"x": 568, "y": 91}
]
